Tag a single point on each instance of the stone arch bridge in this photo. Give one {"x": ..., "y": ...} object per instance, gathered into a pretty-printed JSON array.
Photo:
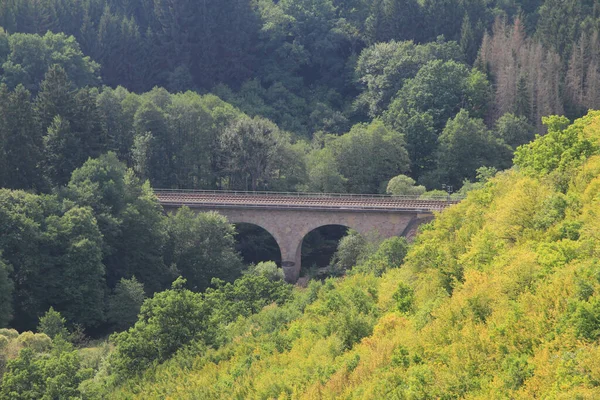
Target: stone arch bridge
[{"x": 289, "y": 217}]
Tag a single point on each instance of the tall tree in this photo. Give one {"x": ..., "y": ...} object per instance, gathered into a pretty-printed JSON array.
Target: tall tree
[
  {"x": 370, "y": 155},
  {"x": 74, "y": 280},
  {"x": 466, "y": 145},
  {"x": 129, "y": 218},
  {"x": 21, "y": 140},
  {"x": 202, "y": 247},
  {"x": 252, "y": 151}
]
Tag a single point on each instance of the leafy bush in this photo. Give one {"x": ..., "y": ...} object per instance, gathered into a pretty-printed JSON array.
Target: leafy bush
[
  {"x": 167, "y": 322},
  {"x": 38, "y": 342},
  {"x": 53, "y": 376}
]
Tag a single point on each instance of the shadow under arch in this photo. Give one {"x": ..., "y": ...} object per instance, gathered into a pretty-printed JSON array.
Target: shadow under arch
[
  {"x": 256, "y": 244},
  {"x": 319, "y": 245}
]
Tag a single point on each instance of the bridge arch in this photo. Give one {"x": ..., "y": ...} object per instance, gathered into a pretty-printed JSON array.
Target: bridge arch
[
  {"x": 256, "y": 244},
  {"x": 319, "y": 245}
]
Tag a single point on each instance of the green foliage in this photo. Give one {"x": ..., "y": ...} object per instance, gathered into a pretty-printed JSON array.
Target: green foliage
[
  {"x": 268, "y": 269},
  {"x": 202, "y": 247},
  {"x": 368, "y": 156},
  {"x": 245, "y": 296},
  {"x": 483, "y": 175},
  {"x": 389, "y": 254},
  {"x": 403, "y": 185},
  {"x": 167, "y": 321},
  {"x": 548, "y": 153},
  {"x": 20, "y": 141},
  {"x": 514, "y": 131},
  {"x": 30, "y": 56},
  {"x": 53, "y": 324},
  {"x": 6, "y": 294},
  {"x": 351, "y": 249},
  {"x": 426, "y": 103},
  {"x": 324, "y": 175},
  {"x": 383, "y": 68},
  {"x": 404, "y": 297},
  {"x": 586, "y": 319},
  {"x": 125, "y": 302},
  {"x": 252, "y": 153},
  {"x": 38, "y": 342},
  {"x": 441, "y": 88},
  {"x": 76, "y": 283},
  {"x": 464, "y": 146},
  {"x": 392, "y": 251},
  {"x": 53, "y": 376},
  {"x": 129, "y": 217}
]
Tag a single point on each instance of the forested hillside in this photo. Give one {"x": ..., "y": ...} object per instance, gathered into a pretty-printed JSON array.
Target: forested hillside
[
  {"x": 103, "y": 101},
  {"x": 335, "y": 78},
  {"x": 498, "y": 297}
]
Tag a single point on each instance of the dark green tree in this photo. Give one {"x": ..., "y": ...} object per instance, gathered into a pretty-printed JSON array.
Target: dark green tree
[
  {"x": 382, "y": 69},
  {"x": 464, "y": 146},
  {"x": 514, "y": 130},
  {"x": 74, "y": 283},
  {"x": 251, "y": 151},
  {"x": 369, "y": 156},
  {"x": 22, "y": 217},
  {"x": 202, "y": 247},
  {"x": 442, "y": 89},
  {"x": 167, "y": 322},
  {"x": 124, "y": 303},
  {"x": 20, "y": 140},
  {"x": 468, "y": 44},
  {"x": 129, "y": 218},
  {"x": 6, "y": 293},
  {"x": 31, "y": 56},
  {"x": 153, "y": 158}
]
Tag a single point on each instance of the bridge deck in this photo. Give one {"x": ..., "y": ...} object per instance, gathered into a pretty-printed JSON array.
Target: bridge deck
[{"x": 310, "y": 201}]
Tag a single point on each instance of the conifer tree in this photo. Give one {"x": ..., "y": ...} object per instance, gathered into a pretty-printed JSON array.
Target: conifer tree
[
  {"x": 467, "y": 40},
  {"x": 22, "y": 142}
]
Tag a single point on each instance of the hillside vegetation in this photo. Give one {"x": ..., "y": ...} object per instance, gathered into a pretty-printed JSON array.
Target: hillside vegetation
[{"x": 498, "y": 298}]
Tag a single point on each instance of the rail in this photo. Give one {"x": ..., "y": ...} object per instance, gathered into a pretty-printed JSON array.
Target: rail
[
  {"x": 445, "y": 198},
  {"x": 301, "y": 201}
]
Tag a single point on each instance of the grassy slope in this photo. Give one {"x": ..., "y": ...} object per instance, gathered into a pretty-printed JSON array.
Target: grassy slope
[{"x": 506, "y": 305}]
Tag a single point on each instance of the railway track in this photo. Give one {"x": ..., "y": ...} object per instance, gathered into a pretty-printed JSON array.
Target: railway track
[{"x": 278, "y": 200}]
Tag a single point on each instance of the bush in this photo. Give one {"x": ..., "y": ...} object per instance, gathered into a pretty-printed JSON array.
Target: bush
[
  {"x": 9, "y": 333},
  {"x": 390, "y": 254},
  {"x": 38, "y": 342},
  {"x": 167, "y": 322},
  {"x": 54, "y": 376},
  {"x": 267, "y": 269},
  {"x": 403, "y": 185},
  {"x": 351, "y": 249}
]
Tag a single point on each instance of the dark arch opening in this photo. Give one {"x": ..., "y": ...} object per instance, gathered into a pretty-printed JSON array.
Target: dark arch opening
[
  {"x": 319, "y": 246},
  {"x": 256, "y": 244}
]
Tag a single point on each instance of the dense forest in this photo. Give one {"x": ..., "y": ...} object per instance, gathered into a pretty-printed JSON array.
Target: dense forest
[
  {"x": 103, "y": 295},
  {"x": 308, "y": 92}
]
